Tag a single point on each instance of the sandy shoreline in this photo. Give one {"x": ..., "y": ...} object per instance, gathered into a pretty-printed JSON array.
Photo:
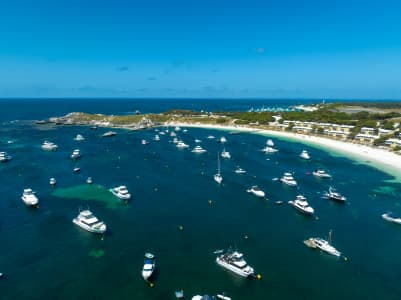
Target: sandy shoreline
[{"x": 378, "y": 158}]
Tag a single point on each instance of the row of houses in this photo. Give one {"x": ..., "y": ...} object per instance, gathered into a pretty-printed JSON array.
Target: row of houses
[
  {"x": 366, "y": 134},
  {"x": 369, "y": 134},
  {"x": 335, "y": 130}
]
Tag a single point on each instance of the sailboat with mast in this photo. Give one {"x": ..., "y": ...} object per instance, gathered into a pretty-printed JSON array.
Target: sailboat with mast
[
  {"x": 217, "y": 177},
  {"x": 325, "y": 246}
]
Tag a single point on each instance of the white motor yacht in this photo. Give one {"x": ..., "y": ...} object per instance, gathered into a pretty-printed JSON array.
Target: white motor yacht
[
  {"x": 269, "y": 149},
  {"x": 210, "y": 137},
  {"x": 149, "y": 265},
  {"x": 182, "y": 145},
  {"x": 89, "y": 222},
  {"x": 198, "y": 141},
  {"x": 223, "y": 140},
  {"x": 256, "y": 191},
  {"x": 109, "y": 134},
  {"x": 121, "y": 192},
  {"x": 302, "y": 205},
  {"x": 198, "y": 149},
  {"x": 270, "y": 143},
  {"x": 76, "y": 154},
  {"x": 79, "y": 138},
  {"x": 240, "y": 170},
  {"x": 4, "y": 157},
  {"x": 49, "y": 146},
  {"x": 234, "y": 262},
  {"x": 52, "y": 181},
  {"x": 321, "y": 173},
  {"x": 305, "y": 155},
  {"x": 30, "y": 198},
  {"x": 144, "y": 142},
  {"x": 177, "y": 128},
  {"x": 89, "y": 180},
  {"x": 288, "y": 179},
  {"x": 333, "y": 194},
  {"x": 173, "y": 134},
  {"x": 225, "y": 154},
  {"x": 390, "y": 217},
  {"x": 156, "y": 138}
]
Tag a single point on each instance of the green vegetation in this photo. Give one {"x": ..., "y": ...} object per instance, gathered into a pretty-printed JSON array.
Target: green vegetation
[
  {"x": 262, "y": 118},
  {"x": 374, "y": 115}
]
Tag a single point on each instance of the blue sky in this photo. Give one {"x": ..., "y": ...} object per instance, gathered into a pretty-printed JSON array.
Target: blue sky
[{"x": 201, "y": 48}]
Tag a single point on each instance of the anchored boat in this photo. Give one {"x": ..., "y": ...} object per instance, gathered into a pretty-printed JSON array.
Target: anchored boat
[
  {"x": 149, "y": 266},
  {"x": 302, "y": 205},
  {"x": 30, "y": 198},
  {"x": 323, "y": 245},
  {"x": 334, "y": 195},
  {"x": 234, "y": 261},
  {"x": 390, "y": 217},
  {"x": 121, "y": 192},
  {"x": 89, "y": 222}
]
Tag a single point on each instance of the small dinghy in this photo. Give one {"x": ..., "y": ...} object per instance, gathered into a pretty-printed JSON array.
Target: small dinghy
[
  {"x": 222, "y": 296},
  {"x": 179, "y": 294},
  {"x": 218, "y": 251},
  {"x": 390, "y": 217}
]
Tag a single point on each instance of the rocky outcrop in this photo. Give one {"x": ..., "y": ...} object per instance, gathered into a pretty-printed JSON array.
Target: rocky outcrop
[{"x": 133, "y": 122}]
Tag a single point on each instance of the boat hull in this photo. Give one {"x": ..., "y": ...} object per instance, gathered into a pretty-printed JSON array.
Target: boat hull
[
  {"x": 301, "y": 210},
  {"x": 120, "y": 196},
  {"x": 146, "y": 275},
  {"x": 30, "y": 203},
  {"x": 390, "y": 219},
  {"x": 232, "y": 268},
  {"x": 288, "y": 183},
  {"x": 88, "y": 228}
]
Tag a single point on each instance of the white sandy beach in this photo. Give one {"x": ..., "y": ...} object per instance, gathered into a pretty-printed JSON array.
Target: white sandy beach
[{"x": 379, "y": 158}]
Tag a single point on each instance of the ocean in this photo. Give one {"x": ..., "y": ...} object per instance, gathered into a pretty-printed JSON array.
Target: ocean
[{"x": 179, "y": 213}]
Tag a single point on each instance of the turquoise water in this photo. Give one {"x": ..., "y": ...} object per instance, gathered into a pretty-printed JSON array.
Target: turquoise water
[{"x": 45, "y": 256}]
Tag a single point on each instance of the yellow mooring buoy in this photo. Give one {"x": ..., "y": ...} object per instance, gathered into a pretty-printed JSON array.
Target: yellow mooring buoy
[{"x": 258, "y": 277}]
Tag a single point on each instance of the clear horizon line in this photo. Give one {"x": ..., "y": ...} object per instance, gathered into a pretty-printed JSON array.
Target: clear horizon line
[{"x": 204, "y": 98}]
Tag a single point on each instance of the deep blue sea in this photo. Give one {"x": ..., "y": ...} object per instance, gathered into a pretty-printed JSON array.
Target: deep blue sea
[
  {"x": 45, "y": 256},
  {"x": 34, "y": 109}
]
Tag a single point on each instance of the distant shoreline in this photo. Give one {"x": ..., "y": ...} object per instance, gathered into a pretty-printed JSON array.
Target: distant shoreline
[{"x": 380, "y": 159}]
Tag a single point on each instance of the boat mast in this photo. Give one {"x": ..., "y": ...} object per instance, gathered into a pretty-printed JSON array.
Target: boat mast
[
  {"x": 218, "y": 163},
  {"x": 330, "y": 232}
]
